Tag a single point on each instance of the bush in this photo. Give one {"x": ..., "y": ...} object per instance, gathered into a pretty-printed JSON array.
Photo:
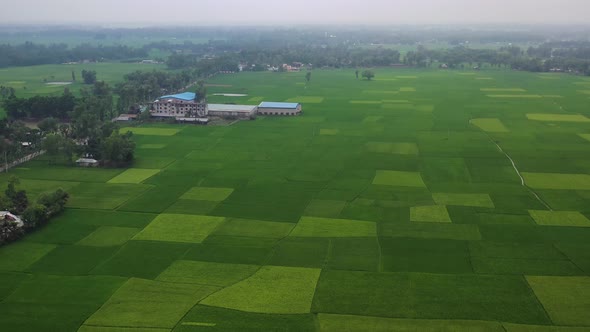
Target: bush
[
  {"x": 53, "y": 203},
  {"x": 35, "y": 216},
  {"x": 9, "y": 231}
]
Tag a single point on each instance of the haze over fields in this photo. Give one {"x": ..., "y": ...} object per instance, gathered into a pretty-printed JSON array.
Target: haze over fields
[{"x": 265, "y": 12}]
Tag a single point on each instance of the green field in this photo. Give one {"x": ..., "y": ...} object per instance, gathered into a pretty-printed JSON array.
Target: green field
[{"x": 389, "y": 205}]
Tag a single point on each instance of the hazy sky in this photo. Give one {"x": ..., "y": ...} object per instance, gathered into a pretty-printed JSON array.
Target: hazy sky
[{"x": 262, "y": 12}]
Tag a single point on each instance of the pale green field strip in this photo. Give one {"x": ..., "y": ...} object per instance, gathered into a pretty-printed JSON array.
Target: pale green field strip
[
  {"x": 586, "y": 92},
  {"x": 393, "y": 148},
  {"x": 406, "y": 77},
  {"x": 207, "y": 194},
  {"x": 134, "y": 175},
  {"x": 327, "y": 227},
  {"x": 198, "y": 324},
  {"x": 474, "y": 200},
  {"x": 89, "y": 328},
  {"x": 399, "y": 178},
  {"x": 271, "y": 290},
  {"x": 306, "y": 99},
  {"x": 516, "y": 96},
  {"x": 255, "y": 228},
  {"x": 329, "y": 132},
  {"x": 19, "y": 256},
  {"x": 585, "y": 136},
  {"x": 484, "y": 78},
  {"x": 407, "y": 89},
  {"x": 502, "y": 90},
  {"x": 372, "y": 119},
  {"x": 256, "y": 99},
  {"x": 448, "y": 231},
  {"x": 552, "y": 96},
  {"x": 542, "y": 328},
  {"x": 467, "y": 74},
  {"x": 152, "y": 146},
  {"x": 338, "y": 323},
  {"x": 557, "y": 117},
  {"x": 365, "y": 102},
  {"x": 396, "y": 101},
  {"x": 559, "y": 218},
  {"x": 557, "y": 181},
  {"x": 151, "y": 131},
  {"x": 147, "y": 303},
  {"x": 566, "y": 299},
  {"x": 490, "y": 125},
  {"x": 381, "y": 92},
  {"x": 385, "y": 79},
  {"x": 431, "y": 213},
  {"x": 206, "y": 273},
  {"x": 107, "y": 236},
  {"x": 180, "y": 228}
]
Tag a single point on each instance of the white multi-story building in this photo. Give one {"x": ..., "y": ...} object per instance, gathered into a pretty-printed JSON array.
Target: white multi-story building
[{"x": 182, "y": 105}]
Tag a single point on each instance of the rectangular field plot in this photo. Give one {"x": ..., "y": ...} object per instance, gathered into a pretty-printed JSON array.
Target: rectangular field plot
[
  {"x": 432, "y": 296},
  {"x": 407, "y": 89},
  {"x": 566, "y": 299},
  {"x": 475, "y": 200},
  {"x": 134, "y": 175},
  {"x": 151, "y": 131},
  {"x": 254, "y": 228},
  {"x": 399, "y": 178},
  {"x": 491, "y": 125},
  {"x": 152, "y": 146},
  {"x": 448, "y": 231},
  {"x": 431, "y": 213},
  {"x": 560, "y": 218},
  {"x": 233, "y": 253},
  {"x": 394, "y": 148},
  {"x": 324, "y": 208},
  {"x": 357, "y": 254},
  {"x": 72, "y": 260},
  {"x": 306, "y": 100},
  {"x": 207, "y": 194},
  {"x": 585, "y": 136},
  {"x": 557, "y": 117},
  {"x": 206, "y": 273},
  {"x": 365, "y": 102},
  {"x": 149, "y": 304},
  {"x": 180, "y": 228},
  {"x": 324, "y": 227},
  {"x": 338, "y": 323},
  {"x": 103, "y": 195},
  {"x": 18, "y": 256},
  {"x": 107, "y": 236},
  {"x": 502, "y": 90},
  {"x": 557, "y": 181},
  {"x": 272, "y": 290},
  {"x": 329, "y": 132},
  {"x": 516, "y": 96},
  {"x": 301, "y": 252},
  {"x": 519, "y": 266}
]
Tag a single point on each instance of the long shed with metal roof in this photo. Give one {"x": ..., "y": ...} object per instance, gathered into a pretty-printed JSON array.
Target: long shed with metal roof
[{"x": 274, "y": 108}]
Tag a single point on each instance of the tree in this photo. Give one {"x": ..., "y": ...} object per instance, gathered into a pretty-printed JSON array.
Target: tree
[
  {"x": 357, "y": 74},
  {"x": 48, "y": 125},
  {"x": 368, "y": 74},
  {"x": 89, "y": 76},
  {"x": 54, "y": 202},
  {"x": 117, "y": 149},
  {"x": 52, "y": 145},
  {"x": 308, "y": 76},
  {"x": 73, "y": 76},
  {"x": 201, "y": 92},
  {"x": 34, "y": 215},
  {"x": 17, "y": 197}
]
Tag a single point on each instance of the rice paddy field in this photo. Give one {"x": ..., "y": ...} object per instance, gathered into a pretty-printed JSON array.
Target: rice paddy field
[{"x": 424, "y": 200}]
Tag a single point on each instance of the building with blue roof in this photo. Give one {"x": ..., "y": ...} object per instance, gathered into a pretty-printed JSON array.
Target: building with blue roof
[
  {"x": 181, "y": 105},
  {"x": 274, "y": 108}
]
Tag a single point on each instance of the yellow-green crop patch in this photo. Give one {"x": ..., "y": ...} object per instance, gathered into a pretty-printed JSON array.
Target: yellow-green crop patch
[
  {"x": 566, "y": 299},
  {"x": 338, "y": 323},
  {"x": 484, "y": 78},
  {"x": 552, "y": 96},
  {"x": 180, "y": 228},
  {"x": 407, "y": 89},
  {"x": 271, "y": 290},
  {"x": 134, "y": 175},
  {"x": 207, "y": 194},
  {"x": 516, "y": 96},
  {"x": 306, "y": 99},
  {"x": 585, "y": 136},
  {"x": 325, "y": 227},
  {"x": 399, "y": 178},
  {"x": 150, "y": 131},
  {"x": 143, "y": 303},
  {"x": 557, "y": 117},
  {"x": 372, "y": 119},
  {"x": 424, "y": 108},
  {"x": 152, "y": 146},
  {"x": 329, "y": 132},
  {"x": 557, "y": 181},
  {"x": 106, "y": 236},
  {"x": 381, "y": 92},
  {"x": 206, "y": 273},
  {"x": 502, "y": 90},
  {"x": 491, "y": 125},
  {"x": 256, "y": 99},
  {"x": 407, "y": 77},
  {"x": 396, "y": 101},
  {"x": 475, "y": 200},
  {"x": 365, "y": 102},
  {"x": 586, "y": 92},
  {"x": 394, "y": 148},
  {"x": 430, "y": 213},
  {"x": 559, "y": 218},
  {"x": 88, "y": 328}
]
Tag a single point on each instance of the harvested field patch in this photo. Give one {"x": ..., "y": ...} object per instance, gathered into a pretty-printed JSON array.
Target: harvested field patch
[
  {"x": 180, "y": 228},
  {"x": 272, "y": 290}
]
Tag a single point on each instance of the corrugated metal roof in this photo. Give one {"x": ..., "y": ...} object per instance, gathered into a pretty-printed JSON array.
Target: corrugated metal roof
[
  {"x": 231, "y": 108},
  {"x": 267, "y": 104},
  {"x": 186, "y": 96}
]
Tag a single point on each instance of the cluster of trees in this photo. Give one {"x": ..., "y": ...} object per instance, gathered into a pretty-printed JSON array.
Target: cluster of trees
[
  {"x": 89, "y": 76},
  {"x": 40, "y": 106},
  {"x": 33, "y": 215},
  {"x": 29, "y": 54}
]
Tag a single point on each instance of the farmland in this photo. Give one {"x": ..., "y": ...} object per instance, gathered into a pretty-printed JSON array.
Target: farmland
[{"x": 391, "y": 204}]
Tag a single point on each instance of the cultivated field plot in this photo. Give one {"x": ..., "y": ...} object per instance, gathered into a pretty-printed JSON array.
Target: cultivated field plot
[{"x": 395, "y": 204}]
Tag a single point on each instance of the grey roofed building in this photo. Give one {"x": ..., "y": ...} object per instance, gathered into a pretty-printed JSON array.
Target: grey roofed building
[
  {"x": 229, "y": 110},
  {"x": 275, "y": 108}
]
